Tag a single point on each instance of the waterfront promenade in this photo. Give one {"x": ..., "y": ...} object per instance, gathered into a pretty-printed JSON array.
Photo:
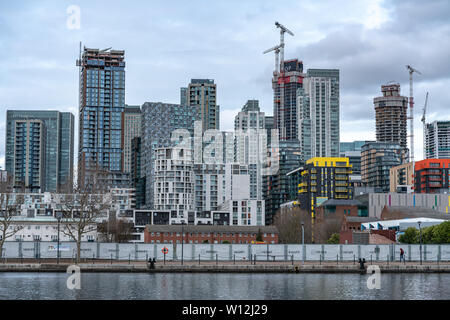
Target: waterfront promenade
[{"x": 224, "y": 266}]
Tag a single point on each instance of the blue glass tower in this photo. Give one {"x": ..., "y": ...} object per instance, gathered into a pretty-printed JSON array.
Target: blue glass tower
[{"x": 102, "y": 102}]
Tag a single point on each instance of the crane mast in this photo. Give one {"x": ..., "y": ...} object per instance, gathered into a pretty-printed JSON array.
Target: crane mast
[
  {"x": 411, "y": 70},
  {"x": 425, "y": 127}
]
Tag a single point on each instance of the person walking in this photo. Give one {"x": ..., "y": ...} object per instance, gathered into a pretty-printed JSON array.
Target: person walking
[{"x": 402, "y": 255}]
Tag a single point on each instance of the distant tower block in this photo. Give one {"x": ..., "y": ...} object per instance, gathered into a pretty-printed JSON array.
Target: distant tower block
[{"x": 391, "y": 115}]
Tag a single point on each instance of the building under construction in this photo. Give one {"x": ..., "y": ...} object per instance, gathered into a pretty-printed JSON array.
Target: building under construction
[
  {"x": 285, "y": 86},
  {"x": 391, "y": 115},
  {"x": 102, "y": 102}
]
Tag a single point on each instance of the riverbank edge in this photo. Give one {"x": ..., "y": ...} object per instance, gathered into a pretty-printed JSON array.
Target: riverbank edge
[{"x": 296, "y": 268}]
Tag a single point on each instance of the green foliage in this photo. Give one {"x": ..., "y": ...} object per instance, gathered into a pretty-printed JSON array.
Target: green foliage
[
  {"x": 226, "y": 241},
  {"x": 205, "y": 241},
  {"x": 438, "y": 234},
  {"x": 411, "y": 235},
  {"x": 441, "y": 233},
  {"x": 334, "y": 239},
  {"x": 428, "y": 235}
]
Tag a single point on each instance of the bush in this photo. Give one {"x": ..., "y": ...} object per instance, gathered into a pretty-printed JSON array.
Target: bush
[
  {"x": 334, "y": 239},
  {"x": 410, "y": 236},
  {"x": 226, "y": 242},
  {"x": 441, "y": 233}
]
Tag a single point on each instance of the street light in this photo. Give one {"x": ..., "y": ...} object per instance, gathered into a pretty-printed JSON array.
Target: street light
[
  {"x": 182, "y": 241},
  {"x": 303, "y": 243},
  {"x": 420, "y": 241},
  {"x": 58, "y": 217}
]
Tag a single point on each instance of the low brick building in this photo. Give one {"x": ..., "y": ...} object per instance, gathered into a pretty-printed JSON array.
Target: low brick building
[{"x": 209, "y": 234}]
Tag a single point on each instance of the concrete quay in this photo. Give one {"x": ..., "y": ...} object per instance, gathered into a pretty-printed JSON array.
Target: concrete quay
[{"x": 229, "y": 267}]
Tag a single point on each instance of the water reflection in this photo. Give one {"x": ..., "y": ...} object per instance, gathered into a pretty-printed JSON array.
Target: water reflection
[{"x": 119, "y": 286}]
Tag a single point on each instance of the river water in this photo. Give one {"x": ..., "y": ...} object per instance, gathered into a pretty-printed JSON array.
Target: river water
[{"x": 232, "y": 286}]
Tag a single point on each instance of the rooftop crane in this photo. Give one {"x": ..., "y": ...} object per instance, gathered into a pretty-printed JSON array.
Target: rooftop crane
[
  {"x": 283, "y": 29},
  {"x": 425, "y": 127},
  {"x": 277, "y": 58},
  {"x": 411, "y": 109}
]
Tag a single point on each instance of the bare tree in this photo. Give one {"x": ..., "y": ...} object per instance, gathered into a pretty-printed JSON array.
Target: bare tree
[
  {"x": 323, "y": 229},
  {"x": 83, "y": 209},
  {"x": 289, "y": 225},
  {"x": 10, "y": 206}
]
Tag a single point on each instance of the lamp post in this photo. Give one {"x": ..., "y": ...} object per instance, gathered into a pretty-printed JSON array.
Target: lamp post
[
  {"x": 303, "y": 243},
  {"x": 58, "y": 217},
  {"x": 182, "y": 241},
  {"x": 420, "y": 241}
]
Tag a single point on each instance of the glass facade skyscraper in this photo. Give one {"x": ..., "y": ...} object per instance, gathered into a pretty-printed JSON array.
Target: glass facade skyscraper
[
  {"x": 57, "y": 132},
  {"x": 102, "y": 102}
]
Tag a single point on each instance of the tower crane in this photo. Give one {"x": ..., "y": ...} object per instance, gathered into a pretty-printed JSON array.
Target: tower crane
[
  {"x": 411, "y": 70},
  {"x": 424, "y": 127},
  {"x": 282, "y": 127},
  {"x": 277, "y": 57},
  {"x": 283, "y": 29}
]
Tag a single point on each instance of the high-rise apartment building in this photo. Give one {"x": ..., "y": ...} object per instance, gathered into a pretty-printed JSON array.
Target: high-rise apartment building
[
  {"x": 159, "y": 120},
  {"x": 377, "y": 158},
  {"x": 174, "y": 179},
  {"x": 285, "y": 87},
  {"x": 202, "y": 94},
  {"x": 391, "y": 115},
  {"x": 102, "y": 102},
  {"x": 218, "y": 183},
  {"x": 50, "y": 132},
  {"x": 131, "y": 121},
  {"x": 318, "y": 114},
  {"x": 29, "y": 155},
  {"x": 276, "y": 187},
  {"x": 251, "y": 143},
  {"x": 437, "y": 140}
]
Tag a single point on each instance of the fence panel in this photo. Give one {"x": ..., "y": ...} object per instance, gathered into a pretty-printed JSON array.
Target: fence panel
[
  {"x": 313, "y": 252},
  {"x": 349, "y": 252},
  {"x": 144, "y": 251},
  {"x": 108, "y": 251},
  {"x": 10, "y": 250},
  {"x": 126, "y": 251},
  {"x": 445, "y": 252},
  {"x": 49, "y": 250},
  {"x": 295, "y": 251},
  {"x": 222, "y": 251},
  {"x": 185, "y": 250},
  {"x": 276, "y": 252},
  {"x": 430, "y": 252},
  {"x": 88, "y": 250},
  {"x": 261, "y": 251},
  {"x": 372, "y": 252},
  {"x": 331, "y": 252},
  {"x": 28, "y": 250},
  {"x": 239, "y": 252},
  {"x": 171, "y": 253}
]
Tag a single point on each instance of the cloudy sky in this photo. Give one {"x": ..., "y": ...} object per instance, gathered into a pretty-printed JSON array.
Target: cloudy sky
[{"x": 168, "y": 44}]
